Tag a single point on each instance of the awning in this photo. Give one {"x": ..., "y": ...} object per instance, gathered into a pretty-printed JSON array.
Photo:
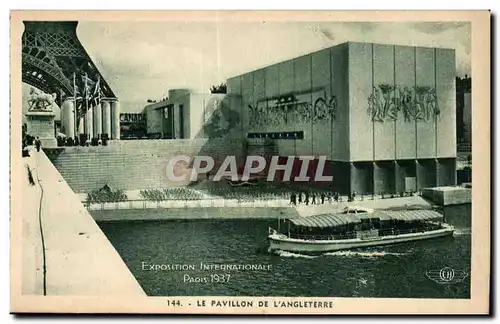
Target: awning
[
  {"x": 326, "y": 220},
  {"x": 333, "y": 220},
  {"x": 413, "y": 215}
]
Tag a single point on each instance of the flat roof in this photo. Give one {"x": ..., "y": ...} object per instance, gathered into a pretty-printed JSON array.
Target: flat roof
[
  {"x": 330, "y": 47},
  {"x": 334, "y": 220}
]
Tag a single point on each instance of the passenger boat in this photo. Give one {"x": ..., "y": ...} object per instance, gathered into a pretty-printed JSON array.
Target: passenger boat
[{"x": 356, "y": 228}]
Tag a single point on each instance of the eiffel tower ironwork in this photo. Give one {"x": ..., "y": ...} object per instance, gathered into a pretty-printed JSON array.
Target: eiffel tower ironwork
[{"x": 52, "y": 55}]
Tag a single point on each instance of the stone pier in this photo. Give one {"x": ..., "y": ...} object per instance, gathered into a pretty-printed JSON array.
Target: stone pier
[{"x": 446, "y": 196}]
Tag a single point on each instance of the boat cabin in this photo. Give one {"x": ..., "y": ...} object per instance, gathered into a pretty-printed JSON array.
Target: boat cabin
[
  {"x": 357, "y": 210},
  {"x": 361, "y": 225}
]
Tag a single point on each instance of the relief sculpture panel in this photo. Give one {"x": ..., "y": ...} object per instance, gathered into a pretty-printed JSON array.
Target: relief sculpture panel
[
  {"x": 389, "y": 102},
  {"x": 305, "y": 107}
]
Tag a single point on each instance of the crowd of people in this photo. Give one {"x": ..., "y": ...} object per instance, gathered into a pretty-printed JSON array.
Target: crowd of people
[
  {"x": 248, "y": 193},
  {"x": 318, "y": 198}
]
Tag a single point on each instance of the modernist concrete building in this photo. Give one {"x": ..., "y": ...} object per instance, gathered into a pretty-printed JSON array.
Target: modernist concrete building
[
  {"x": 383, "y": 115},
  {"x": 187, "y": 115}
]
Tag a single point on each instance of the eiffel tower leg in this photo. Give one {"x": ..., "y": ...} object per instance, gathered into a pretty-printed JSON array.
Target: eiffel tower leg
[{"x": 54, "y": 60}]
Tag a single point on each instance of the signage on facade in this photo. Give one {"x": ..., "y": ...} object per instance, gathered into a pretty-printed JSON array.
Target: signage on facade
[{"x": 132, "y": 117}]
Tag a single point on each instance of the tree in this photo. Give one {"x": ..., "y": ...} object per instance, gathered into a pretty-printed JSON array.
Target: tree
[{"x": 221, "y": 88}]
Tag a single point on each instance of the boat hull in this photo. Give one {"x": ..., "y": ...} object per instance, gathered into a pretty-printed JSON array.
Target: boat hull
[{"x": 283, "y": 243}]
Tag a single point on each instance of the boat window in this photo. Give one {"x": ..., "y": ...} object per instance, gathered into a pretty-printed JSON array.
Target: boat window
[{"x": 355, "y": 211}]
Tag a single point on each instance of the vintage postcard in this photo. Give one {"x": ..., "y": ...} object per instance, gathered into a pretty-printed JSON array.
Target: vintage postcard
[{"x": 234, "y": 162}]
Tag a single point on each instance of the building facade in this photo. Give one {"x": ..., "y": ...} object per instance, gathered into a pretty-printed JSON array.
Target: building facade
[
  {"x": 133, "y": 126},
  {"x": 187, "y": 115},
  {"x": 383, "y": 115},
  {"x": 464, "y": 113}
]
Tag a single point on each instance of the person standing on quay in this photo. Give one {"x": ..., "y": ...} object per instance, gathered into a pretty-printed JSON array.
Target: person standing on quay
[{"x": 38, "y": 144}]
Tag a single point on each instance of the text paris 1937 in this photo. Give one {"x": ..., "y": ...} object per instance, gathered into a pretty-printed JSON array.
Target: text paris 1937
[{"x": 213, "y": 278}]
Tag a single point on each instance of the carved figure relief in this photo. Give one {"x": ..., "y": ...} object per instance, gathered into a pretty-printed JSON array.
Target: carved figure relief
[
  {"x": 418, "y": 103},
  {"x": 306, "y": 107}
]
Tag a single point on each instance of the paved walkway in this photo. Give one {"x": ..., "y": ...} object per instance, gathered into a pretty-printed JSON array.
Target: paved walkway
[
  {"x": 79, "y": 259},
  {"x": 310, "y": 210}
]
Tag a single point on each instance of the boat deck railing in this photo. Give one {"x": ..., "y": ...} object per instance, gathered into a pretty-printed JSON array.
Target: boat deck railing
[{"x": 353, "y": 235}]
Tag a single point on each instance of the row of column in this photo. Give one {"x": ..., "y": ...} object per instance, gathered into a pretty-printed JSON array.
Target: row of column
[
  {"x": 103, "y": 118},
  {"x": 402, "y": 175}
]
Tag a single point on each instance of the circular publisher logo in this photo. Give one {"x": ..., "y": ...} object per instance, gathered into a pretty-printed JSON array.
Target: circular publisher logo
[{"x": 447, "y": 274}]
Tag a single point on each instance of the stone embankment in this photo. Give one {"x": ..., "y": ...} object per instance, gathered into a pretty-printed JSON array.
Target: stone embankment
[{"x": 64, "y": 252}]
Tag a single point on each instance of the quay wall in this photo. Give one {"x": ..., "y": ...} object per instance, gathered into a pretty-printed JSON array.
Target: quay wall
[
  {"x": 198, "y": 213},
  {"x": 60, "y": 235},
  {"x": 219, "y": 209},
  {"x": 135, "y": 164}
]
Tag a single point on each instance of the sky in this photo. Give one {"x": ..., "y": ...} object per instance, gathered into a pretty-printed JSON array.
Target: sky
[{"x": 142, "y": 60}]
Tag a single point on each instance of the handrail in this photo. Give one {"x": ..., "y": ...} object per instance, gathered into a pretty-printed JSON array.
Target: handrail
[
  {"x": 323, "y": 237},
  {"x": 353, "y": 234}
]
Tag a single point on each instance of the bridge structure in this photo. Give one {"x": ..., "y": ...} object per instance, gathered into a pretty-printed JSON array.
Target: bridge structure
[{"x": 55, "y": 62}]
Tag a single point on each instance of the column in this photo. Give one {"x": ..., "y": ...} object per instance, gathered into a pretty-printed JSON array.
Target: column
[
  {"x": 177, "y": 122},
  {"x": 81, "y": 125},
  {"x": 115, "y": 119},
  {"x": 106, "y": 118},
  {"x": 89, "y": 123},
  {"x": 68, "y": 117},
  {"x": 97, "y": 120},
  {"x": 384, "y": 177}
]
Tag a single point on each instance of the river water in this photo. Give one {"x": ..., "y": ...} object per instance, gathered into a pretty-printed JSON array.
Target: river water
[{"x": 388, "y": 271}]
